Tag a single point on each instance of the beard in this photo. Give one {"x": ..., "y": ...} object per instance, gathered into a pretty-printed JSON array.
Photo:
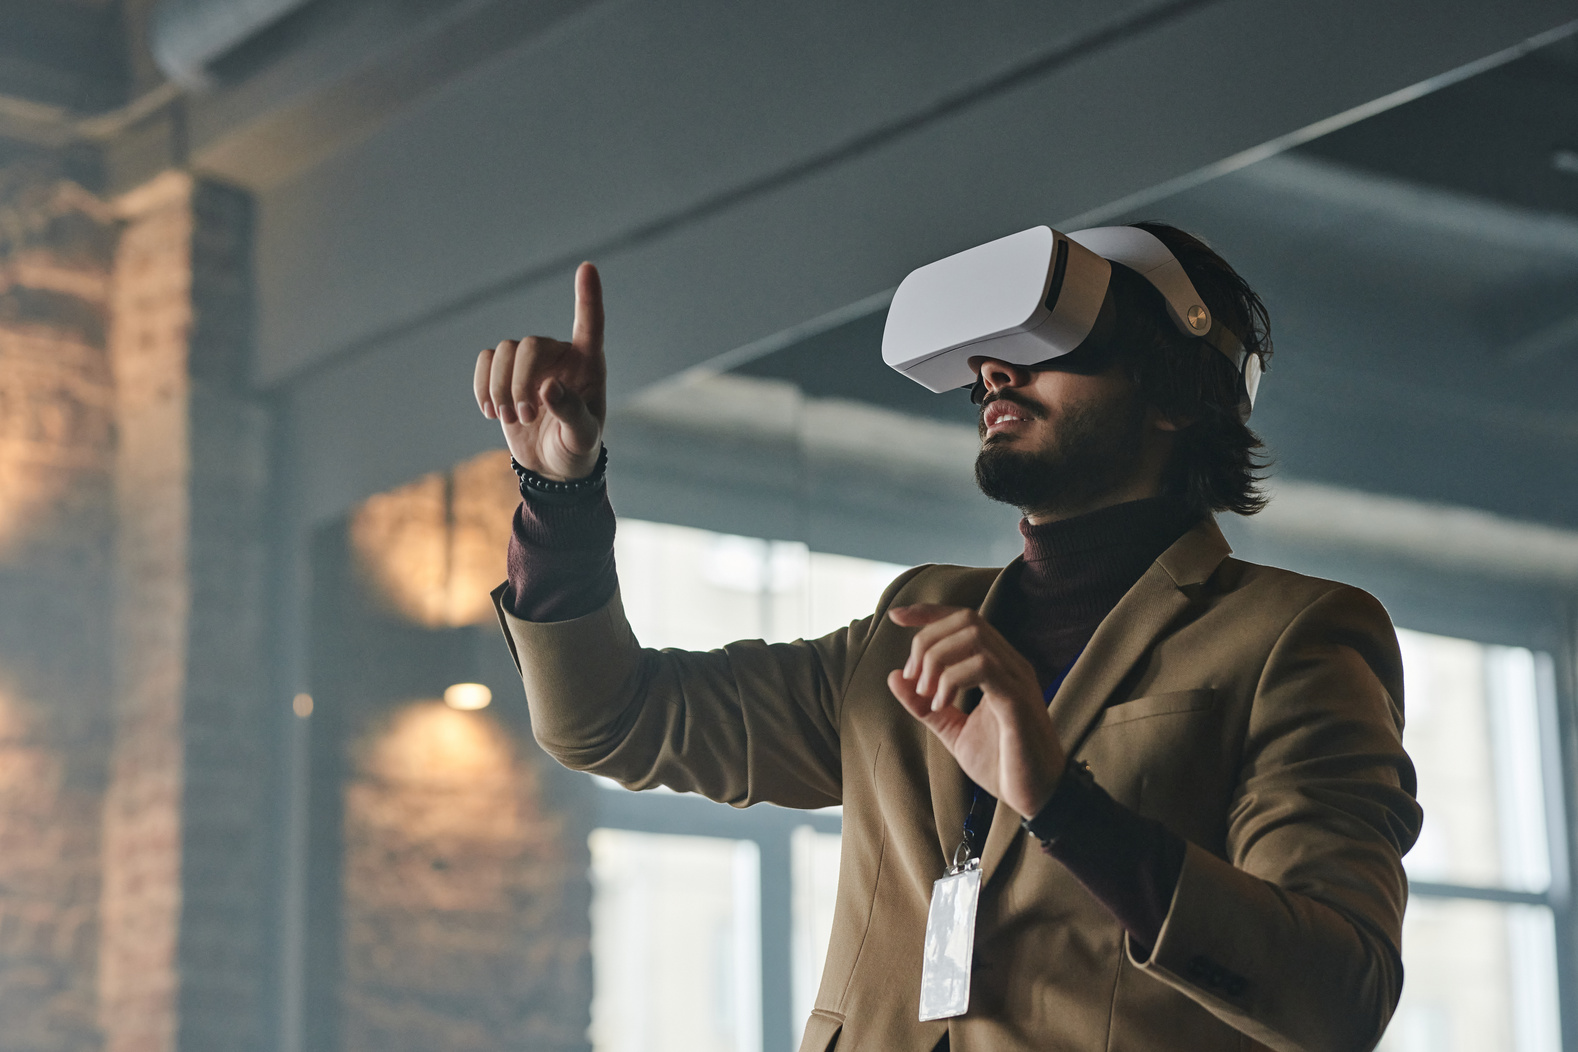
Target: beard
[{"x": 1093, "y": 446}]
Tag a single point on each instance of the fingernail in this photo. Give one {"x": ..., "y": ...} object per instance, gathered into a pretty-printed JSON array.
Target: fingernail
[
  {"x": 488, "y": 410},
  {"x": 520, "y": 407}
]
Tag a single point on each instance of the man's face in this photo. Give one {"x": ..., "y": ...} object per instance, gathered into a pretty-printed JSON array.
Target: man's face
[{"x": 1056, "y": 443}]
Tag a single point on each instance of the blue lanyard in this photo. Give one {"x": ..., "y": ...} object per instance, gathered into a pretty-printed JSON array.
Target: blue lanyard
[{"x": 973, "y": 816}]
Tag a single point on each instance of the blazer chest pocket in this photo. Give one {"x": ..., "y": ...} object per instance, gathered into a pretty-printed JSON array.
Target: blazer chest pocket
[
  {"x": 1178, "y": 701},
  {"x": 1164, "y": 756}
]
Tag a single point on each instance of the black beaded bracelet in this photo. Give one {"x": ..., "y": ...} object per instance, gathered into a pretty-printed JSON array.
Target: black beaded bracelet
[
  {"x": 534, "y": 485},
  {"x": 1046, "y": 824}
]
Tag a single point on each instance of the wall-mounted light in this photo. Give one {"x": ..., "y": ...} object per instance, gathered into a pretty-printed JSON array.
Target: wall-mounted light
[
  {"x": 467, "y": 697},
  {"x": 301, "y": 705},
  {"x": 434, "y": 548}
]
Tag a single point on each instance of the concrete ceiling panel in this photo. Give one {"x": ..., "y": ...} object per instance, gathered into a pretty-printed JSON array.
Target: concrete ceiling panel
[{"x": 384, "y": 271}]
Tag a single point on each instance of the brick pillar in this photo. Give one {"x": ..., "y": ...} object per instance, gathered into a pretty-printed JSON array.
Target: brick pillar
[
  {"x": 186, "y": 819},
  {"x": 55, "y": 526}
]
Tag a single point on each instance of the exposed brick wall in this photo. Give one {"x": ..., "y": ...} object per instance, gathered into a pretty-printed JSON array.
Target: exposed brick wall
[
  {"x": 460, "y": 888},
  {"x": 433, "y": 549},
  {"x": 452, "y": 895},
  {"x": 55, "y": 528},
  {"x": 227, "y": 804},
  {"x": 151, "y": 312},
  {"x": 186, "y": 820}
]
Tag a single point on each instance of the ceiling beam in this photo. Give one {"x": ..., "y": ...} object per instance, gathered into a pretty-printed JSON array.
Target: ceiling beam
[{"x": 372, "y": 305}]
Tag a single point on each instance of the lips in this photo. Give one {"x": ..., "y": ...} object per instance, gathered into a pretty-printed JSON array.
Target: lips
[{"x": 1001, "y": 413}]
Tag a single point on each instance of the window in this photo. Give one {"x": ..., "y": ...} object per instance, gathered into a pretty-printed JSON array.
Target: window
[
  {"x": 1479, "y": 942},
  {"x": 676, "y": 943},
  {"x": 710, "y": 924},
  {"x": 696, "y": 590},
  {"x": 815, "y": 859}
]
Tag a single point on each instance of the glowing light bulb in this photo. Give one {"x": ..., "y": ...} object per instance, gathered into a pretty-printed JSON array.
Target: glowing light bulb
[
  {"x": 301, "y": 705},
  {"x": 467, "y": 696}
]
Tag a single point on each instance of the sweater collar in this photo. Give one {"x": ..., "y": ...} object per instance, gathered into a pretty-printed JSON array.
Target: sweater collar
[{"x": 1138, "y": 528}]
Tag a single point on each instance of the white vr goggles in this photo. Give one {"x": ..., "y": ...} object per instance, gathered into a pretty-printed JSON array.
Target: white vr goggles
[{"x": 1033, "y": 296}]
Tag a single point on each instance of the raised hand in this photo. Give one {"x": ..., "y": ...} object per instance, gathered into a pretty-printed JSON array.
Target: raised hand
[
  {"x": 1007, "y": 745},
  {"x": 551, "y": 397}
]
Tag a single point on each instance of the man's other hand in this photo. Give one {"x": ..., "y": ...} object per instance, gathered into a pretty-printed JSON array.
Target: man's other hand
[
  {"x": 1007, "y": 744},
  {"x": 551, "y": 397}
]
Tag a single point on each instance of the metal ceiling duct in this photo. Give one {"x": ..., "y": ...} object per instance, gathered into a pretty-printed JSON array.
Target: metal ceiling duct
[{"x": 187, "y": 36}]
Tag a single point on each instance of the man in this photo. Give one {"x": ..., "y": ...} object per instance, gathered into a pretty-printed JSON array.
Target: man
[{"x": 1208, "y": 753}]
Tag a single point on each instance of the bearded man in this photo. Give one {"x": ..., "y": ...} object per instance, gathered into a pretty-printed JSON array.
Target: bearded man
[{"x": 1179, "y": 776}]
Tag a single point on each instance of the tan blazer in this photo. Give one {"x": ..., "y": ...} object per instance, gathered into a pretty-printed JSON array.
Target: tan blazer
[{"x": 1256, "y": 712}]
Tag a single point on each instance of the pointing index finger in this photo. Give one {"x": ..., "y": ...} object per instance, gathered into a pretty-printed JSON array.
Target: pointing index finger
[{"x": 587, "y": 335}]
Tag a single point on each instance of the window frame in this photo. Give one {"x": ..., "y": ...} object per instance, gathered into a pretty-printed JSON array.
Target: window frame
[{"x": 771, "y": 828}]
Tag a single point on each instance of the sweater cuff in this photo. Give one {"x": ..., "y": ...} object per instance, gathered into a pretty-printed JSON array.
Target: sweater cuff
[
  {"x": 561, "y": 557},
  {"x": 1130, "y": 863}
]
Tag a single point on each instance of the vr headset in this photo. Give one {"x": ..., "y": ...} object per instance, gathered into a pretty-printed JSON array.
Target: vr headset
[{"x": 1037, "y": 295}]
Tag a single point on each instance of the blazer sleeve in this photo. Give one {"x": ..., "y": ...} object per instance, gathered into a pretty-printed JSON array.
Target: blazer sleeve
[
  {"x": 749, "y": 722},
  {"x": 1295, "y": 937}
]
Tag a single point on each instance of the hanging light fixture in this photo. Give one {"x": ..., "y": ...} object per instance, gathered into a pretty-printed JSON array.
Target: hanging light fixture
[{"x": 468, "y": 697}]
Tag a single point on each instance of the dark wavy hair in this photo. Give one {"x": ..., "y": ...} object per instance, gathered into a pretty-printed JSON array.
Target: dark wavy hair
[{"x": 1218, "y": 459}]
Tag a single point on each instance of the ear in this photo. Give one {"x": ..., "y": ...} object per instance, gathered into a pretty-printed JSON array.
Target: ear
[{"x": 1162, "y": 422}]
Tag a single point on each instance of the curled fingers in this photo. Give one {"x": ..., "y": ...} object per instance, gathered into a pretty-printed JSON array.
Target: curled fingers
[
  {"x": 535, "y": 359},
  {"x": 479, "y": 382},
  {"x": 503, "y": 367},
  {"x": 931, "y": 633},
  {"x": 958, "y": 677},
  {"x": 525, "y": 381},
  {"x": 957, "y": 645}
]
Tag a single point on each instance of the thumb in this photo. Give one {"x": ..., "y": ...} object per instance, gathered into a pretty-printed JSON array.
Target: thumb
[{"x": 579, "y": 424}]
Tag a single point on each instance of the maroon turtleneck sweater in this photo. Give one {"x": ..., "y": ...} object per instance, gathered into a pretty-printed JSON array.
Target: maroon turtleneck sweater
[{"x": 561, "y": 566}]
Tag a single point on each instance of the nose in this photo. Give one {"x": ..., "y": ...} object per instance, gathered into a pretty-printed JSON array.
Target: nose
[{"x": 996, "y": 375}]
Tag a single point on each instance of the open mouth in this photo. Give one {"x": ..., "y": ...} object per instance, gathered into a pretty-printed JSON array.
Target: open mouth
[{"x": 1002, "y": 414}]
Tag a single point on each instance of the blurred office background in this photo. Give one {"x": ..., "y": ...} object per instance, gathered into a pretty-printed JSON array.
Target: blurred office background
[{"x": 266, "y": 779}]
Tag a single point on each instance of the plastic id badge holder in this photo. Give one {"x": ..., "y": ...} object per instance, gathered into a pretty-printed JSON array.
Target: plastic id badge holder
[{"x": 950, "y": 942}]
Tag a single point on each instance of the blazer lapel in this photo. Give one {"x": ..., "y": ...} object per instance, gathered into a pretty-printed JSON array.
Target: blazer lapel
[
  {"x": 1144, "y": 613},
  {"x": 948, "y": 784}
]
